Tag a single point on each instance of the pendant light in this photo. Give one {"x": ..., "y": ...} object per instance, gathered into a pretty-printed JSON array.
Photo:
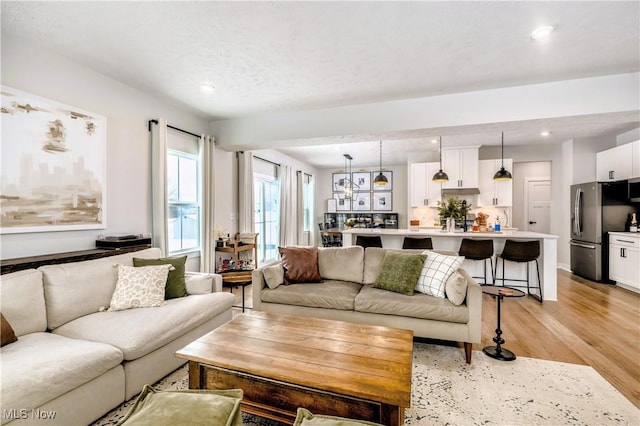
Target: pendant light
[
  {"x": 440, "y": 176},
  {"x": 502, "y": 174},
  {"x": 380, "y": 179}
]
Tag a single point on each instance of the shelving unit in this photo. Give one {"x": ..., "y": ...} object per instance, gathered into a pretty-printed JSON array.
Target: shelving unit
[{"x": 235, "y": 248}]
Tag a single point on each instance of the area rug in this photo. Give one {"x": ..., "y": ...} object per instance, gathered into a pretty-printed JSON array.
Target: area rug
[{"x": 446, "y": 391}]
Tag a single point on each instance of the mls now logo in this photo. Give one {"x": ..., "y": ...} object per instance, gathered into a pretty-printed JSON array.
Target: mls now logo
[{"x": 23, "y": 414}]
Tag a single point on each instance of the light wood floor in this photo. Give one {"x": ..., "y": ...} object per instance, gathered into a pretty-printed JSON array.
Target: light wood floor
[{"x": 590, "y": 324}]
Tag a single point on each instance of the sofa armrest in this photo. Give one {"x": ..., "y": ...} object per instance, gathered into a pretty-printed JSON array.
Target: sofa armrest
[
  {"x": 473, "y": 301},
  {"x": 201, "y": 282},
  {"x": 258, "y": 283}
]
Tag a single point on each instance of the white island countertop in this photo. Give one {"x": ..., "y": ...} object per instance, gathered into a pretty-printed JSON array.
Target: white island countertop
[{"x": 443, "y": 240}]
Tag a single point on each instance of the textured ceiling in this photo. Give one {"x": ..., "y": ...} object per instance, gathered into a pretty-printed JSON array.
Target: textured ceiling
[{"x": 282, "y": 56}]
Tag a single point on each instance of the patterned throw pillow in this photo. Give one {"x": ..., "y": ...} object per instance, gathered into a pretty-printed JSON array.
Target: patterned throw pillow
[
  {"x": 139, "y": 287},
  {"x": 436, "y": 271},
  {"x": 300, "y": 264},
  {"x": 399, "y": 272}
]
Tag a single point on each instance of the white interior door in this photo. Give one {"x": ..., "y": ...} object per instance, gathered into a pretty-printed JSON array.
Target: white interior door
[{"x": 538, "y": 206}]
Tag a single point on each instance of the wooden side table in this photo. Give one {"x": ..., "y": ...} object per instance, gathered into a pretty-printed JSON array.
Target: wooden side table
[
  {"x": 500, "y": 292},
  {"x": 237, "y": 279}
]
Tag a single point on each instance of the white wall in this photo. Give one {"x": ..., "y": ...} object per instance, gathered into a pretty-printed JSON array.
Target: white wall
[{"x": 29, "y": 68}]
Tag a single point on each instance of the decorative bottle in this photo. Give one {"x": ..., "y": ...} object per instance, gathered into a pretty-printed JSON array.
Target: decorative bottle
[
  {"x": 634, "y": 224},
  {"x": 496, "y": 227}
]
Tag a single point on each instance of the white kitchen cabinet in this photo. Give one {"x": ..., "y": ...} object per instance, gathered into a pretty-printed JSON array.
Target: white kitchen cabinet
[
  {"x": 424, "y": 191},
  {"x": 635, "y": 162},
  {"x": 615, "y": 163},
  {"x": 461, "y": 165},
  {"x": 624, "y": 259},
  {"x": 492, "y": 192}
]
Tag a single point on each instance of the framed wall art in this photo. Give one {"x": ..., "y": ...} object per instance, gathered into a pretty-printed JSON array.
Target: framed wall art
[
  {"x": 53, "y": 165},
  {"x": 340, "y": 181},
  {"x": 387, "y": 186},
  {"x": 361, "y": 201},
  {"x": 342, "y": 204},
  {"x": 362, "y": 180},
  {"x": 383, "y": 201}
]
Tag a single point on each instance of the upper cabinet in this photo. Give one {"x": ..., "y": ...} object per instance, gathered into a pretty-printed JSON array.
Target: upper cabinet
[
  {"x": 615, "y": 163},
  {"x": 461, "y": 165},
  {"x": 494, "y": 193},
  {"x": 424, "y": 192}
]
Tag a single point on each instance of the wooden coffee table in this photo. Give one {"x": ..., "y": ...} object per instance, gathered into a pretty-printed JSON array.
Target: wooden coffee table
[{"x": 283, "y": 362}]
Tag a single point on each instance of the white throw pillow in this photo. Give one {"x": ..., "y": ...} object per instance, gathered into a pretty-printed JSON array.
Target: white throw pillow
[
  {"x": 456, "y": 288},
  {"x": 139, "y": 287},
  {"x": 273, "y": 275},
  {"x": 436, "y": 271}
]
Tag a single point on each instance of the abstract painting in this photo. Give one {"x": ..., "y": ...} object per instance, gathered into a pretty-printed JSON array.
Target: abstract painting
[{"x": 53, "y": 166}]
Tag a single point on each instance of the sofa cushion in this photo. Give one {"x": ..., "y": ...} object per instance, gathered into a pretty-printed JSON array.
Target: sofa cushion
[
  {"x": 80, "y": 288},
  {"x": 273, "y": 275},
  {"x": 22, "y": 301},
  {"x": 399, "y": 272},
  {"x": 377, "y": 301},
  {"x": 7, "y": 335},
  {"x": 176, "y": 286},
  {"x": 137, "y": 332},
  {"x": 341, "y": 263},
  {"x": 141, "y": 287},
  {"x": 305, "y": 417},
  {"x": 456, "y": 288},
  {"x": 373, "y": 257},
  {"x": 185, "y": 407},
  {"x": 42, "y": 366},
  {"x": 435, "y": 273},
  {"x": 328, "y": 294},
  {"x": 300, "y": 264}
]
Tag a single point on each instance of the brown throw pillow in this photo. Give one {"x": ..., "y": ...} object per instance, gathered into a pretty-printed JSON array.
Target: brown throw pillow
[
  {"x": 7, "y": 334},
  {"x": 300, "y": 264}
]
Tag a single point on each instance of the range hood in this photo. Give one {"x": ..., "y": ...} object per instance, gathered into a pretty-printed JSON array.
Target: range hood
[{"x": 460, "y": 191}]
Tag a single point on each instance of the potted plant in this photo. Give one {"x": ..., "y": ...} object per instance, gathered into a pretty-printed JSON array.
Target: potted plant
[{"x": 454, "y": 207}]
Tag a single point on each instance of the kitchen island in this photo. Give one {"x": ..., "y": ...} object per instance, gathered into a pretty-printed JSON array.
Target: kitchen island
[{"x": 442, "y": 240}]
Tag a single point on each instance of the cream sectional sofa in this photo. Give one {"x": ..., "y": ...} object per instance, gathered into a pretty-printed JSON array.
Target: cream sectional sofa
[
  {"x": 72, "y": 362},
  {"x": 346, "y": 293}
]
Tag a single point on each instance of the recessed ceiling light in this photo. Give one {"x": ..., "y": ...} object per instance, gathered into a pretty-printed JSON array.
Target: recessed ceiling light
[
  {"x": 545, "y": 133},
  {"x": 207, "y": 87},
  {"x": 541, "y": 33}
]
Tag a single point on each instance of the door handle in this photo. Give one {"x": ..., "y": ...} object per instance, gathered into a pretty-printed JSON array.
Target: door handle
[
  {"x": 532, "y": 222},
  {"x": 583, "y": 245}
]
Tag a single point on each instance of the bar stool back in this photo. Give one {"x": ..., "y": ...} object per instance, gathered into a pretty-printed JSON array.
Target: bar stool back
[
  {"x": 369, "y": 241},
  {"x": 417, "y": 243},
  {"x": 473, "y": 249},
  {"x": 521, "y": 252}
]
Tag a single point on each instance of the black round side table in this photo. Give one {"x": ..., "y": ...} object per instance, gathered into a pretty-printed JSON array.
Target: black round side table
[{"x": 500, "y": 292}]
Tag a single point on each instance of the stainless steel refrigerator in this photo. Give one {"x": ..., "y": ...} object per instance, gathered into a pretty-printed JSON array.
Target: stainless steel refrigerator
[{"x": 596, "y": 209}]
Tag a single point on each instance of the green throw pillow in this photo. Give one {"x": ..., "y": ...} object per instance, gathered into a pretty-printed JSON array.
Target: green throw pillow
[
  {"x": 185, "y": 407},
  {"x": 400, "y": 272},
  {"x": 306, "y": 418},
  {"x": 176, "y": 286}
]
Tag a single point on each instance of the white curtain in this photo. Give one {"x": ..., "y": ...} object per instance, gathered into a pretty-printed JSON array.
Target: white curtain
[
  {"x": 208, "y": 160},
  {"x": 288, "y": 205},
  {"x": 246, "y": 204},
  {"x": 159, "y": 185},
  {"x": 301, "y": 240}
]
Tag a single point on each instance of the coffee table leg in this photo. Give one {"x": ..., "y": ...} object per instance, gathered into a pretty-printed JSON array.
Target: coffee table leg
[{"x": 498, "y": 352}]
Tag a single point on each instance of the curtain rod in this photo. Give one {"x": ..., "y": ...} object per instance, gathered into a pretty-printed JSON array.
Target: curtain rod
[
  {"x": 174, "y": 128},
  {"x": 268, "y": 161}
]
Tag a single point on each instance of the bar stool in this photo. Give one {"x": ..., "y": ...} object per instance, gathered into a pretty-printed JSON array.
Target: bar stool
[
  {"x": 368, "y": 241},
  {"x": 521, "y": 252},
  {"x": 478, "y": 250},
  {"x": 417, "y": 243}
]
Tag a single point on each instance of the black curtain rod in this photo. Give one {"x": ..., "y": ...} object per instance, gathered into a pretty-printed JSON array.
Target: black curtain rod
[
  {"x": 268, "y": 161},
  {"x": 174, "y": 128}
]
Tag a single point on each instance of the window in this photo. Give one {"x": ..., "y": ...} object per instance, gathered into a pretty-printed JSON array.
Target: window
[
  {"x": 184, "y": 202},
  {"x": 266, "y": 187}
]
